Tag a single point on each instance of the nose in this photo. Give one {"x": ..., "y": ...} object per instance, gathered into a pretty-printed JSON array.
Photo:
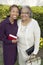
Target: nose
[{"x": 23, "y": 14}]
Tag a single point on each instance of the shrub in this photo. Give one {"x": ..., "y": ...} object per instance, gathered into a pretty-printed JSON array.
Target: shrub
[
  {"x": 37, "y": 14},
  {"x": 41, "y": 42}
]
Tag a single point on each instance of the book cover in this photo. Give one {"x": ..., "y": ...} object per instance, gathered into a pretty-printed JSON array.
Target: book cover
[{"x": 12, "y": 37}]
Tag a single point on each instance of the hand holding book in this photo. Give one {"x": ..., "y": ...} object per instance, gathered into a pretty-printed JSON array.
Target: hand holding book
[
  {"x": 14, "y": 41},
  {"x": 13, "y": 38}
]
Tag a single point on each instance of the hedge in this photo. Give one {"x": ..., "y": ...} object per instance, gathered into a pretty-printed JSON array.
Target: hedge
[{"x": 37, "y": 14}]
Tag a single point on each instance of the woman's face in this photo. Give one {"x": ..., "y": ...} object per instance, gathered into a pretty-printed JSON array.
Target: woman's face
[
  {"x": 25, "y": 14},
  {"x": 14, "y": 12}
]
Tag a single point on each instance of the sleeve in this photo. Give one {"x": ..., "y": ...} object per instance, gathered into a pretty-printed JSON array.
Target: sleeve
[
  {"x": 36, "y": 38},
  {"x": 3, "y": 37}
]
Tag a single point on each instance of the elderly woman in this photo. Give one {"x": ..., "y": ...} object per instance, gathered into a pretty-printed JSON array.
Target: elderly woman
[
  {"x": 8, "y": 28},
  {"x": 28, "y": 35}
]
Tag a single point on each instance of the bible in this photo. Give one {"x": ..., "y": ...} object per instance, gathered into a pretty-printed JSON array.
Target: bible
[{"x": 12, "y": 37}]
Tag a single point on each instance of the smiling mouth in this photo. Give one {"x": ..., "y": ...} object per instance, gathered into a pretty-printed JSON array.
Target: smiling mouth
[{"x": 14, "y": 16}]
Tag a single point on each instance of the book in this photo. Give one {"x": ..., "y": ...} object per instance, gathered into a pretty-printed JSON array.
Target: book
[{"x": 12, "y": 37}]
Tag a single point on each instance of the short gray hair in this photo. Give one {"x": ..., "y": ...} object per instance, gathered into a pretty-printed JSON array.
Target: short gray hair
[{"x": 30, "y": 11}]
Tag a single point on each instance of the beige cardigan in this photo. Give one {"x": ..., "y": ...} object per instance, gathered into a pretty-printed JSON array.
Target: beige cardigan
[{"x": 32, "y": 35}]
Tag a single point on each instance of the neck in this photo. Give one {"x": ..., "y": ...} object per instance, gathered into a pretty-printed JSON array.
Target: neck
[
  {"x": 26, "y": 21},
  {"x": 11, "y": 20}
]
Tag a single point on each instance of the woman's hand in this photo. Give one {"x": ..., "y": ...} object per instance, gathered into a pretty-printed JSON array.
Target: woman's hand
[
  {"x": 33, "y": 55},
  {"x": 15, "y": 41}
]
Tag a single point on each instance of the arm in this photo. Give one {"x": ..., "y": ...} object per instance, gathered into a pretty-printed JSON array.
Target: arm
[
  {"x": 3, "y": 37},
  {"x": 36, "y": 37}
]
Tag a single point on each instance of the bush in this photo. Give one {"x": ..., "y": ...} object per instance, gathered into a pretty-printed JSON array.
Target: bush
[
  {"x": 4, "y": 11},
  {"x": 41, "y": 42},
  {"x": 37, "y": 14}
]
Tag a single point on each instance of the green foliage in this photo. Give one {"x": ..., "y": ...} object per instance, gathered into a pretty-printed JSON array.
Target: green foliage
[
  {"x": 41, "y": 42},
  {"x": 37, "y": 14},
  {"x": 4, "y": 11}
]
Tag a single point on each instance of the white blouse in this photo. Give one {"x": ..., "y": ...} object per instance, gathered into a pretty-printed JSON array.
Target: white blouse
[{"x": 28, "y": 35}]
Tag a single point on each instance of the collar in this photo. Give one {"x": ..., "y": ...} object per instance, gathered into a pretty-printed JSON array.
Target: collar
[{"x": 8, "y": 21}]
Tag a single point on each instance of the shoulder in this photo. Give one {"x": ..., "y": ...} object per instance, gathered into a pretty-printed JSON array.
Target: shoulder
[
  {"x": 4, "y": 22},
  {"x": 36, "y": 26},
  {"x": 35, "y": 22},
  {"x": 19, "y": 22}
]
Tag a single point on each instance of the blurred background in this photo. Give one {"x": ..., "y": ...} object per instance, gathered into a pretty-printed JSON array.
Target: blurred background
[{"x": 37, "y": 9}]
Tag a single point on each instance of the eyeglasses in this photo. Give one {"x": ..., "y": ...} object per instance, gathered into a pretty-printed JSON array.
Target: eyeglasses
[{"x": 24, "y": 12}]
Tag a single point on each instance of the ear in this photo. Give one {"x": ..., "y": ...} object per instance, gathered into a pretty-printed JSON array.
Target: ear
[{"x": 31, "y": 14}]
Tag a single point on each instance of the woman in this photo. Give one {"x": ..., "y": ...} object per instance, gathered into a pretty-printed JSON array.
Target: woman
[
  {"x": 28, "y": 34},
  {"x": 9, "y": 27}
]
